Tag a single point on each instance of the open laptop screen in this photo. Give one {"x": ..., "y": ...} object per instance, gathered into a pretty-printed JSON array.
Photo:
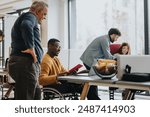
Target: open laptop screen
[{"x": 138, "y": 63}]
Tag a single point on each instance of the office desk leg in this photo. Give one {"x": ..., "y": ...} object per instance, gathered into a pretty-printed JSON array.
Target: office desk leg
[
  {"x": 2, "y": 89},
  {"x": 129, "y": 94},
  {"x": 85, "y": 91},
  {"x": 11, "y": 87},
  {"x": 2, "y": 86}
]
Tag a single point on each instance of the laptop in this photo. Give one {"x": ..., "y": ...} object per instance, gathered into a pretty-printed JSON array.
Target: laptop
[{"x": 138, "y": 63}]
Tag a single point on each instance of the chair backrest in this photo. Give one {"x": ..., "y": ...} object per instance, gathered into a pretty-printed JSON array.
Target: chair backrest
[
  {"x": 10, "y": 80},
  {"x": 114, "y": 48},
  {"x": 6, "y": 64}
]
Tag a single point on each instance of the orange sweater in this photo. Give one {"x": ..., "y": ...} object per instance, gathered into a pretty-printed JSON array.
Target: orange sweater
[{"x": 50, "y": 68}]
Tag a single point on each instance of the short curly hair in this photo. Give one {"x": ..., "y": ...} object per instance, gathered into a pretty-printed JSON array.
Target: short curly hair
[{"x": 114, "y": 31}]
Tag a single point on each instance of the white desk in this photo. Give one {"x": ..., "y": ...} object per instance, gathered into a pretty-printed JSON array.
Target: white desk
[
  {"x": 87, "y": 81},
  {"x": 80, "y": 80},
  {"x": 95, "y": 80},
  {"x": 86, "y": 78},
  {"x": 3, "y": 71},
  {"x": 133, "y": 85}
]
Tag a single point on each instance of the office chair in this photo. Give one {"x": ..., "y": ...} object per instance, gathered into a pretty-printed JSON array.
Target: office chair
[
  {"x": 10, "y": 82},
  {"x": 114, "y": 48}
]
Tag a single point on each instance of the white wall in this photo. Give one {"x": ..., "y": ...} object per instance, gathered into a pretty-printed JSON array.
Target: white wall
[
  {"x": 57, "y": 21},
  {"x": 74, "y": 57},
  {"x": 8, "y": 21},
  {"x": 71, "y": 58},
  {"x": 7, "y": 6}
]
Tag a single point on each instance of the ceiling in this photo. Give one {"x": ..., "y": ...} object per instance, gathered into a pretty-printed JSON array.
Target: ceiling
[{"x": 7, "y": 6}]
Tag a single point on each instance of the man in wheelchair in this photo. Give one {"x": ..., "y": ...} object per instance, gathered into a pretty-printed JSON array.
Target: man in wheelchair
[{"x": 51, "y": 67}]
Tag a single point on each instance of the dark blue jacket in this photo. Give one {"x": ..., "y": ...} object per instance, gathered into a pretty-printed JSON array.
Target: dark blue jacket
[{"x": 25, "y": 34}]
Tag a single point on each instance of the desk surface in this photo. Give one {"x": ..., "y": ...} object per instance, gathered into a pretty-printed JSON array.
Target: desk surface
[
  {"x": 85, "y": 78},
  {"x": 3, "y": 72},
  {"x": 95, "y": 80},
  {"x": 133, "y": 85}
]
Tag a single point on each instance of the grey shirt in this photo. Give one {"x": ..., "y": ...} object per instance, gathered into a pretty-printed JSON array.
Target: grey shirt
[{"x": 98, "y": 49}]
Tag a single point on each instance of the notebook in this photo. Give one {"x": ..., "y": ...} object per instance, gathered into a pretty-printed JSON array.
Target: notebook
[
  {"x": 75, "y": 68},
  {"x": 138, "y": 63}
]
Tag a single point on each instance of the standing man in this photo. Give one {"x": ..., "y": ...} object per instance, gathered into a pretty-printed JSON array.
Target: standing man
[
  {"x": 26, "y": 53},
  {"x": 99, "y": 49}
]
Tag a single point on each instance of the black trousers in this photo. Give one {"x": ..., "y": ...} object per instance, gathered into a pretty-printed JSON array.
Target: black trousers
[
  {"x": 93, "y": 90},
  {"x": 25, "y": 73},
  {"x": 66, "y": 87}
]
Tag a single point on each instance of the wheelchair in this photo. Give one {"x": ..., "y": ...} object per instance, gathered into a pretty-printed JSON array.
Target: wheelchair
[{"x": 53, "y": 94}]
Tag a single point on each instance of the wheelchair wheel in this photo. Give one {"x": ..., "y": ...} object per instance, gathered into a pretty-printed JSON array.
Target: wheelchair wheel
[{"x": 51, "y": 94}]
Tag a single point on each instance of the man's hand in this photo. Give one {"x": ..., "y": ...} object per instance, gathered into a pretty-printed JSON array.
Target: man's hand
[
  {"x": 31, "y": 51},
  {"x": 63, "y": 73},
  {"x": 75, "y": 72}
]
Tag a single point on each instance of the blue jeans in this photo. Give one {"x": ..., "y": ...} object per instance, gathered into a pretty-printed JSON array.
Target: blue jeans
[{"x": 25, "y": 73}]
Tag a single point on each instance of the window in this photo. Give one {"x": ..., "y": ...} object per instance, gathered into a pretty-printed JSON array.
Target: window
[{"x": 92, "y": 18}]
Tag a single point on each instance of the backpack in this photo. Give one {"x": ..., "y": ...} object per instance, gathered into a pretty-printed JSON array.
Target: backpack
[{"x": 135, "y": 77}]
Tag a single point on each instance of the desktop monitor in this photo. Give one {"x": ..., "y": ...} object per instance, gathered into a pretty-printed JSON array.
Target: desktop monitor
[{"x": 138, "y": 63}]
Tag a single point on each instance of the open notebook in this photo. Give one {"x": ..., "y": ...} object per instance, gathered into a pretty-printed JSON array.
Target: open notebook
[{"x": 75, "y": 68}]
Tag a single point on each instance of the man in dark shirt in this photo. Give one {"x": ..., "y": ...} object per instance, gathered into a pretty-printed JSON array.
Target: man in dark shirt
[{"x": 26, "y": 53}]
